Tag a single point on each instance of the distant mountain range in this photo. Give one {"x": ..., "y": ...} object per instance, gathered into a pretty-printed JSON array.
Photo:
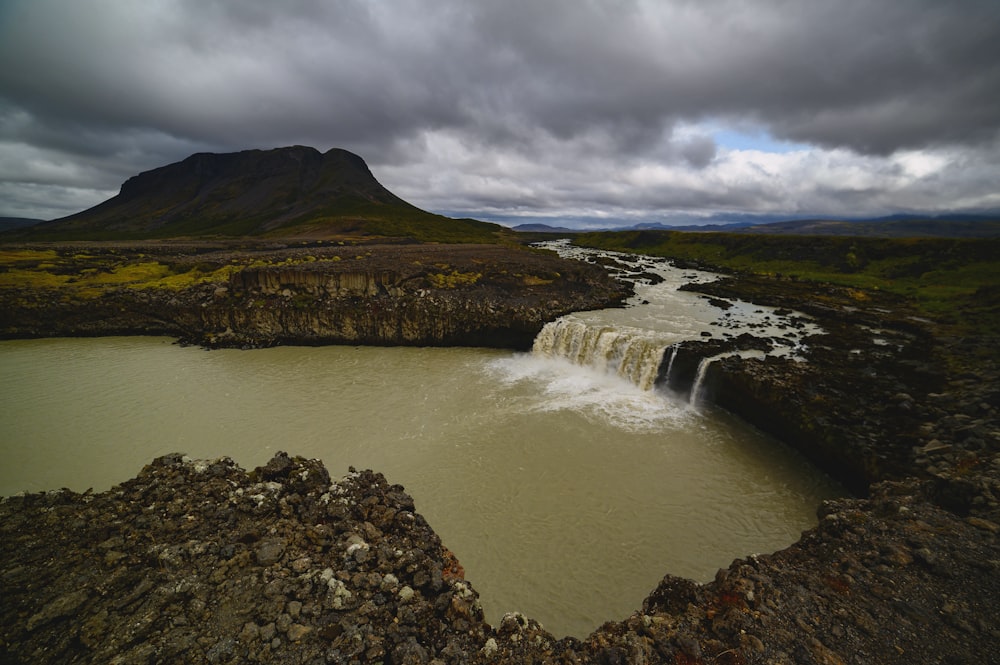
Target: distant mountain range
[
  {"x": 945, "y": 226},
  {"x": 295, "y": 191},
  {"x": 300, "y": 192}
]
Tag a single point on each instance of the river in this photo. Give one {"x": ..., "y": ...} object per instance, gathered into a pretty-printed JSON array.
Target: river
[{"x": 564, "y": 487}]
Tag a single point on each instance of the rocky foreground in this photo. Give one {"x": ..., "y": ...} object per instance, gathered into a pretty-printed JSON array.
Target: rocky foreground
[{"x": 201, "y": 561}]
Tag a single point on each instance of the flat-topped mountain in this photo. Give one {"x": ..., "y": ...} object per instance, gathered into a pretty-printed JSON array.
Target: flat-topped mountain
[{"x": 295, "y": 191}]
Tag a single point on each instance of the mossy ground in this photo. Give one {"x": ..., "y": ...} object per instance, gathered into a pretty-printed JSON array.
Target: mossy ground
[
  {"x": 89, "y": 275},
  {"x": 83, "y": 271}
]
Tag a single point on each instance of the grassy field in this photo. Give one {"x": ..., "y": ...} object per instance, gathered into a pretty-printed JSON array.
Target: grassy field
[
  {"x": 88, "y": 276},
  {"x": 953, "y": 281}
]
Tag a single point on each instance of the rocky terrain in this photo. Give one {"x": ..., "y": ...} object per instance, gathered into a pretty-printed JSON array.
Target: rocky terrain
[
  {"x": 200, "y": 561},
  {"x": 885, "y": 394},
  {"x": 239, "y": 295}
]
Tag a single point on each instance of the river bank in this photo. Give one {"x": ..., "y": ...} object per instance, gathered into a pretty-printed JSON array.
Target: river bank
[
  {"x": 174, "y": 564},
  {"x": 307, "y": 293}
]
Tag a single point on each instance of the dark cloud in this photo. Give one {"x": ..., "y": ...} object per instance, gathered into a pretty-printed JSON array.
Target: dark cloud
[{"x": 604, "y": 107}]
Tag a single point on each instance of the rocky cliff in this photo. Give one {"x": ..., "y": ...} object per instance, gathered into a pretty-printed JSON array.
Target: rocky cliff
[
  {"x": 427, "y": 295},
  {"x": 879, "y": 392}
]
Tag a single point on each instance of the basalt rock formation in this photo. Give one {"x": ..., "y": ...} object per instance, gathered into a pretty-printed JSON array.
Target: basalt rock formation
[
  {"x": 426, "y": 295},
  {"x": 879, "y": 392}
]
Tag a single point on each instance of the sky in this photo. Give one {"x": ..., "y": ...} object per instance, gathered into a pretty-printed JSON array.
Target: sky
[{"x": 585, "y": 113}]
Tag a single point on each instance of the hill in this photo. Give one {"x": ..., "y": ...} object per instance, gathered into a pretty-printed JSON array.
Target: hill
[
  {"x": 16, "y": 222},
  {"x": 897, "y": 226},
  {"x": 286, "y": 192}
]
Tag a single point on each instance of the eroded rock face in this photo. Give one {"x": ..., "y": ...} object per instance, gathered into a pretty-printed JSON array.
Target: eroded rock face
[
  {"x": 426, "y": 295},
  {"x": 881, "y": 394}
]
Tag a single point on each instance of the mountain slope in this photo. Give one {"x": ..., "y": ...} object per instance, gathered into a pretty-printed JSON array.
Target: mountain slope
[
  {"x": 899, "y": 226},
  {"x": 294, "y": 191}
]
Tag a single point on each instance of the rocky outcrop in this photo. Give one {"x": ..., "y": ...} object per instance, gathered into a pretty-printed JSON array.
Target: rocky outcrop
[
  {"x": 869, "y": 398},
  {"x": 317, "y": 283},
  {"x": 422, "y": 295},
  {"x": 202, "y": 562}
]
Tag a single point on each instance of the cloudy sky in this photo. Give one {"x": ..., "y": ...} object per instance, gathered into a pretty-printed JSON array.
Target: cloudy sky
[{"x": 576, "y": 112}]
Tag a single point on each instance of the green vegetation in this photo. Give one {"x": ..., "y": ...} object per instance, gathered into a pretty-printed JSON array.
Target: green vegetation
[
  {"x": 453, "y": 280},
  {"x": 953, "y": 281},
  {"x": 88, "y": 276},
  {"x": 349, "y": 217}
]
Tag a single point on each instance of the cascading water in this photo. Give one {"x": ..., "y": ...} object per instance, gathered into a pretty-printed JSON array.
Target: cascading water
[
  {"x": 670, "y": 365},
  {"x": 631, "y": 342},
  {"x": 699, "y": 381},
  {"x": 539, "y": 470},
  {"x": 634, "y": 355}
]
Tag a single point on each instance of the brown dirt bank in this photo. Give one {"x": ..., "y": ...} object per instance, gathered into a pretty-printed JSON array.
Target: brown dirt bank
[{"x": 262, "y": 294}]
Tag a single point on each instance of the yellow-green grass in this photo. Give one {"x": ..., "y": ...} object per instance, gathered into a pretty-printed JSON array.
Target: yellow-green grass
[{"x": 47, "y": 270}]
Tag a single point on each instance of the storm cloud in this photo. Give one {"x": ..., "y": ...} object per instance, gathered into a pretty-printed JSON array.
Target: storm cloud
[{"x": 599, "y": 111}]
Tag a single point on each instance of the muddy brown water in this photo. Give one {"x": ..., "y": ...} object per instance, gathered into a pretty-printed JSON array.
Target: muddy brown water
[{"x": 566, "y": 491}]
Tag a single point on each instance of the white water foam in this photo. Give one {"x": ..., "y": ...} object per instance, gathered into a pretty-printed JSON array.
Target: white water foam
[
  {"x": 670, "y": 365},
  {"x": 590, "y": 391},
  {"x": 699, "y": 381}
]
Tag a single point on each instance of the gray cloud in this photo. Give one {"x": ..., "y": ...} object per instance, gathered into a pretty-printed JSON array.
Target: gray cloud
[{"x": 604, "y": 108}]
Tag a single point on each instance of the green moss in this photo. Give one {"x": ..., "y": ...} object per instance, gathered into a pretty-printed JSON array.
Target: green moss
[
  {"x": 35, "y": 279},
  {"x": 453, "y": 280},
  {"x": 30, "y": 256}
]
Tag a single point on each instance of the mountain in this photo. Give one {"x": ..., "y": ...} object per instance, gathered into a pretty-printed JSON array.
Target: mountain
[
  {"x": 17, "y": 222},
  {"x": 286, "y": 192},
  {"x": 542, "y": 228},
  {"x": 894, "y": 226}
]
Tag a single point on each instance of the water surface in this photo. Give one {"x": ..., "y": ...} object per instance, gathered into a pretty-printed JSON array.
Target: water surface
[{"x": 565, "y": 492}]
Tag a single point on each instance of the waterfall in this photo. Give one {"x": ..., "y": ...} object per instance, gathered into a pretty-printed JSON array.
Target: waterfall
[
  {"x": 632, "y": 354},
  {"x": 670, "y": 365},
  {"x": 699, "y": 380},
  {"x": 698, "y": 386}
]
